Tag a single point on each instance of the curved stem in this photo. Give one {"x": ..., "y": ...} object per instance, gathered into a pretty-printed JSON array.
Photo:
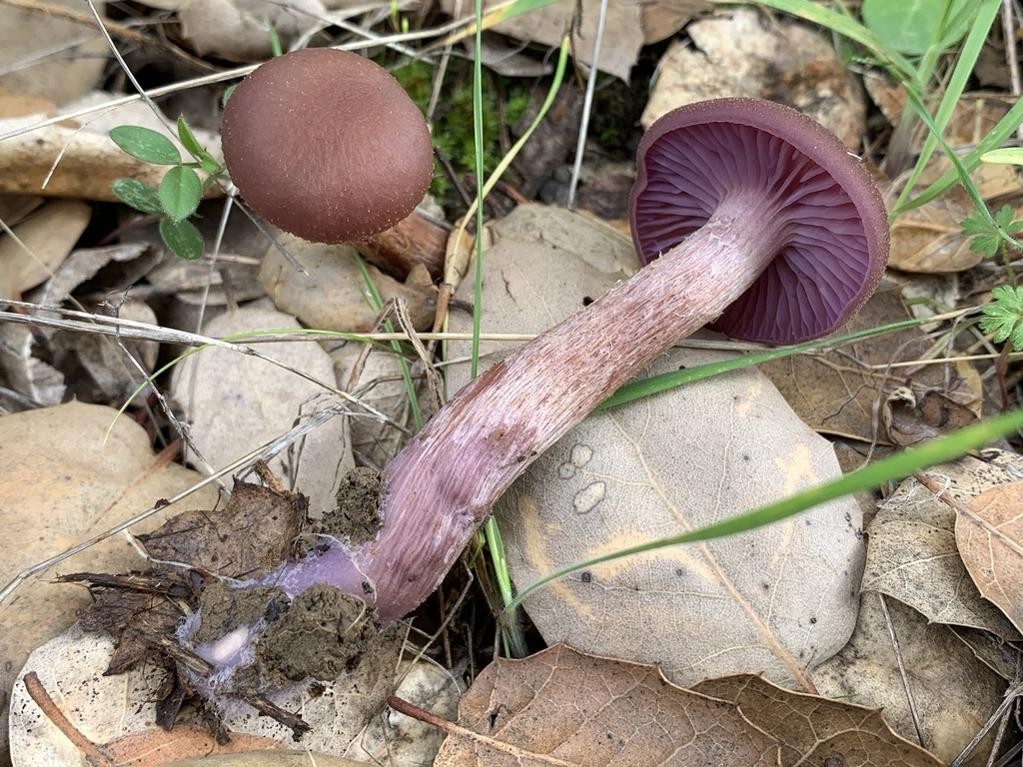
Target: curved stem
[{"x": 443, "y": 484}]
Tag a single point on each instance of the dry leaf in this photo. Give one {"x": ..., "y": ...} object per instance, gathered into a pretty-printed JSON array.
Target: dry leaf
[
  {"x": 744, "y": 54},
  {"x": 31, "y": 36},
  {"x": 953, "y": 691},
  {"x": 332, "y": 295},
  {"x": 545, "y": 25},
  {"x": 84, "y": 161},
  {"x": 815, "y": 730},
  {"x": 270, "y": 759},
  {"x": 46, "y": 239},
  {"x": 240, "y": 29},
  {"x": 913, "y": 557},
  {"x": 909, "y": 420},
  {"x": 777, "y": 600},
  {"x": 584, "y": 710},
  {"x": 62, "y": 483},
  {"x": 989, "y": 531},
  {"x": 396, "y": 740},
  {"x": 250, "y": 535},
  {"x": 235, "y": 403},
  {"x": 837, "y": 393},
  {"x": 929, "y": 239}
]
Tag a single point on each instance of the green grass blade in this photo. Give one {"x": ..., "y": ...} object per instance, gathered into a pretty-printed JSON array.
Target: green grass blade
[
  {"x": 889, "y": 469},
  {"x": 646, "y": 387},
  {"x": 1002, "y": 130},
  {"x": 967, "y": 60},
  {"x": 377, "y": 303}
]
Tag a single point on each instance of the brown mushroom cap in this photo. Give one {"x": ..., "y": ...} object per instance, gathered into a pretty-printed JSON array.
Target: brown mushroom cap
[{"x": 326, "y": 145}]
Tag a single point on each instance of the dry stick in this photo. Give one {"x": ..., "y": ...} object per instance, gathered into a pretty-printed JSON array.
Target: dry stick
[
  {"x": 902, "y": 672},
  {"x": 410, "y": 709},
  {"x": 1011, "y": 695},
  {"x": 92, "y": 753}
]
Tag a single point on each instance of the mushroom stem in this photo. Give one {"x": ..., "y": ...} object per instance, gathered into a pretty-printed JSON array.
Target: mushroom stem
[
  {"x": 442, "y": 485},
  {"x": 413, "y": 240}
]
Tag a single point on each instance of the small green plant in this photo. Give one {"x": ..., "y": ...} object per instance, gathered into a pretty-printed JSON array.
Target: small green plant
[
  {"x": 179, "y": 192},
  {"x": 1003, "y": 317},
  {"x": 987, "y": 239}
]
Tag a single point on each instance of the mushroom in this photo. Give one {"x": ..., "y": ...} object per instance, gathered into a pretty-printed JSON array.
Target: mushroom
[
  {"x": 326, "y": 145},
  {"x": 750, "y": 216}
]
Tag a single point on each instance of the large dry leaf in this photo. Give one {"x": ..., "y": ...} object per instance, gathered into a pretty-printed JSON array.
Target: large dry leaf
[
  {"x": 841, "y": 393},
  {"x": 63, "y": 482},
  {"x": 989, "y": 531},
  {"x": 913, "y": 557},
  {"x": 814, "y": 730},
  {"x": 66, "y": 58},
  {"x": 332, "y": 293},
  {"x": 238, "y": 29},
  {"x": 44, "y": 240},
  {"x": 929, "y": 239},
  {"x": 583, "y": 710},
  {"x": 742, "y": 53},
  {"x": 113, "y": 708},
  {"x": 235, "y": 403},
  {"x": 954, "y": 692},
  {"x": 778, "y": 600},
  {"x": 270, "y": 759}
]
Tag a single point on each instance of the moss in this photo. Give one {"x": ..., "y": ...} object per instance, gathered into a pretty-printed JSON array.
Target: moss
[{"x": 504, "y": 101}]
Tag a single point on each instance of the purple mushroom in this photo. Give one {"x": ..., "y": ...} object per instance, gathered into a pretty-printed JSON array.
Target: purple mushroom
[{"x": 764, "y": 225}]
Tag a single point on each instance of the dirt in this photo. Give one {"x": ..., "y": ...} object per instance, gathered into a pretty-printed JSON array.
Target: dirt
[
  {"x": 224, "y": 608},
  {"x": 322, "y": 635},
  {"x": 356, "y": 518}
]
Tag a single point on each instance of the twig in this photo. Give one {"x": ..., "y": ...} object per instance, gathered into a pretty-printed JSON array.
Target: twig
[
  {"x": 902, "y": 673},
  {"x": 1009, "y": 35},
  {"x": 92, "y": 753},
  {"x": 411, "y": 709},
  {"x": 584, "y": 122}
]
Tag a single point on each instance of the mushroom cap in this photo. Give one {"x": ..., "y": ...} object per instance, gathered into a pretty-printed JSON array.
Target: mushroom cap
[
  {"x": 836, "y": 241},
  {"x": 326, "y": 145}
]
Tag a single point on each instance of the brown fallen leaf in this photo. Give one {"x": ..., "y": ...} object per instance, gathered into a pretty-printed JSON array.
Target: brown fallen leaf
[
  {"x": 237, "y": 29},
  {"x": 954, "y": 693},
  {"x": 929, "y": 239},
  {"x": 46, "y": 237},
  {"x": 816, "y": 730},
  {"x": 249, "y": 536},
  {"x": 840, "y": 394},
  {"x": 236, "y": 403},
  {"x": 32, "y": 36},
  {"x": 909, "y": 420},
  {"x": 566, "y": 708},
  {"x": 989, "y": 531},
  {"x": 624, "y": 33},
  {"x": 64, "y": 481},
  {"x": 913, "y": 557},
  {"x": 270, "y": 759}
]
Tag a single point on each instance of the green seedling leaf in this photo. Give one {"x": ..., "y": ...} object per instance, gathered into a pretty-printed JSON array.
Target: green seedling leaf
[
  {"x": 180, "y": 192},
  {"x": 190, "y": 142},
  {"x": 183, "y": 239},
  {"x": 227, "y": 94},
  {"x": 986, "y": 237},
  {"x": 912, "y": 26},
  {"x": 138, "y": 195},
  {"x": 1003, "y": 317},
  {"x": 1008, "y": 156},
  {"x": 145, "y": 144}
]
